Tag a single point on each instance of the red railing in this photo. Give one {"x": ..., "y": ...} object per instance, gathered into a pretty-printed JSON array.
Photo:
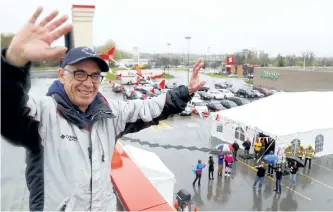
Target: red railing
[{"x": 134, "y": 191}]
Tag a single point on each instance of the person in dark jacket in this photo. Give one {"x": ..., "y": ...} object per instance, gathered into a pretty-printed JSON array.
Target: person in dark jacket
[
  {"x": 211, "y": 168},
  {"x": 236, "y": 147},
  {"x": 293, "y": 173},
  {"x": 247, "y": 145},
  {"x": 70, "y": 134},
  {"x": 260, "y": 175},
  {"x": 278, "y": 175}
]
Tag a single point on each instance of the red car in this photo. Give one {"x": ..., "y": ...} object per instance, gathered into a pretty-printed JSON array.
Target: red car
[{"x": 264, "y": 91}]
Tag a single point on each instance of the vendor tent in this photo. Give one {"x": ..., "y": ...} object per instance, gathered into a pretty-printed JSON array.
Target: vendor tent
[
  {"x": 297, "y": 117},
  {"x": 155, "y": 171}
]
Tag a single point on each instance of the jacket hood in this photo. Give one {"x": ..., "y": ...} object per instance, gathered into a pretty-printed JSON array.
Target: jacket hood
[{"x": 72, "y": 113}]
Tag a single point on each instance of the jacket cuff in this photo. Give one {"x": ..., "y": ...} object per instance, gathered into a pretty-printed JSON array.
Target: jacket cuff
[{"x": 11, "y": 66}]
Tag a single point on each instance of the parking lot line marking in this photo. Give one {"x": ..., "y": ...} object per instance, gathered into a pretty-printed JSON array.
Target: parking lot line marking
[
  {"x": 322, "y": 166},
  {"x": 311, "y": 178},
  {"x": 164, "y": 125},
  {"x": 287, "y": 187}
]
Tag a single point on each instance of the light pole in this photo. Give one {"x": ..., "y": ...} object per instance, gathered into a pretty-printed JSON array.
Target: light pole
[
  {"x": 169, "y": 44},
  {"x": 188, "y": 58}
]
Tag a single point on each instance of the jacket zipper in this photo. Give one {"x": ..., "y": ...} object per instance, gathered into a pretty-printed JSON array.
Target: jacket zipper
[
  {"x": 90, "y": 159},
  {"x": 90, "y": 154}
]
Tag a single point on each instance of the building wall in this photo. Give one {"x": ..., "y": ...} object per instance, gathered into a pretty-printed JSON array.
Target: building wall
[
  {"x": 294, "y": 80},
  {"x": 82, "y": 16}
]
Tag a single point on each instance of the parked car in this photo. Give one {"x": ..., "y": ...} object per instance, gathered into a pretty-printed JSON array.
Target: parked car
[
  {"x": 147, "y": 93},
  {"x": 172, "y": 85},
  {"x": 215, "y": 106},
  {"x": 198, "y": 105},
  {"x": 239, "y": 101},
  {"x": 220, "y": 85},
  {"x": 228, "y": 104},
  {"x": 204, "y": 95},
  {"x": 245, "y": 93},
  {"x": 215, "y": 94},
  {"x": 204, "y": 88},
  {"x": 118, "y": 88},
  {"x": 186, "y": 112},
  {"x": 226, "y": 93},
  {"x": 264, "y": 91},
  {"x": 258, "y": 94}
]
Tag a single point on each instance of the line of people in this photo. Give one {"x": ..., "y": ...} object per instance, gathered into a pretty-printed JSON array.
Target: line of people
[{"x": 301, "y": 153}]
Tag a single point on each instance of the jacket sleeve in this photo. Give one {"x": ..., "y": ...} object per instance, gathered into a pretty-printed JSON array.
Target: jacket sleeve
[
  {"x": 19, "y": 121},
  {"x": 135, "y": 115}
]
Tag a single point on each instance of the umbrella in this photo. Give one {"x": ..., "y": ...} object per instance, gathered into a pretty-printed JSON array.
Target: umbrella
[
  {"x": 224, "y": 147},
  {"x": 291, "y": 159},
  {"x": 271, "y": 158}
]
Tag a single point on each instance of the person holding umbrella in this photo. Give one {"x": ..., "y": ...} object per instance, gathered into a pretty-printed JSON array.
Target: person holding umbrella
[
  {"x": 271, "y": 159},
  {"x": 293, "y": 172}
]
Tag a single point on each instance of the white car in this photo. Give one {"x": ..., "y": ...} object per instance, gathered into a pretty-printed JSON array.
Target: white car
[
  {"x": 198, "y": 105},
  {"x": 226, "y": 93},
  {"x": 257, "y": 93},
  {"x": 215, "y": 94}
]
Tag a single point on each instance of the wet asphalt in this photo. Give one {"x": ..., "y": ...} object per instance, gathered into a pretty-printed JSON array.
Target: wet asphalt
[{"x": 314, "y": 189}]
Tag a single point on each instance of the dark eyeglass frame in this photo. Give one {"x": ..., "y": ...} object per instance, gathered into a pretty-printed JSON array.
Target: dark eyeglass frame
[{"x": 87, "y": 75}]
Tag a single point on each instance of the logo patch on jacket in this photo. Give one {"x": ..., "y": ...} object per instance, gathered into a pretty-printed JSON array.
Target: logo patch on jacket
[{"x": 69, "y": 137}]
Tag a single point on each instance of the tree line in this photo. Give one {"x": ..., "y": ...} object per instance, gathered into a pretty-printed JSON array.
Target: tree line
[{"x": 249, "y": 57}]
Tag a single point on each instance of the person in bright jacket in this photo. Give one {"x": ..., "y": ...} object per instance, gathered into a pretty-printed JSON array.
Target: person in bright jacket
[
  {"x": 257, "y": 149},
  {"x": 198, "y": 172},
  {"x": 229, "y": 160},
  {"x": 309, "y": 153},
  {"x": 300, "y": 152},
  {"x": 70, "y": 134}
]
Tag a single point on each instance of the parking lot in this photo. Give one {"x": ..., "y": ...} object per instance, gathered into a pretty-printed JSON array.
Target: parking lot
[{"x": 180, "y": 142}]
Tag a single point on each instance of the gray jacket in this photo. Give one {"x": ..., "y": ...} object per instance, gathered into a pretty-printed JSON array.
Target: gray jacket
[{"x": 69, "y": 154}]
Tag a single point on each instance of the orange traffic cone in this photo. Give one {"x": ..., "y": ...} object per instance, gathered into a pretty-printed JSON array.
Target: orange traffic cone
[
  {"x": 195, "y": 209},
  {"x": 175, "y": 205}
]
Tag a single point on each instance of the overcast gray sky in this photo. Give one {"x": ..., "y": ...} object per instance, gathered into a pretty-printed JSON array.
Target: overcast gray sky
[{"x": 275, "y": 26}]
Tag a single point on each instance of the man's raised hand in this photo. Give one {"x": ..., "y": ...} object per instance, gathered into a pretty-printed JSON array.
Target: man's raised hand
[{"x": 33, "y": 41}]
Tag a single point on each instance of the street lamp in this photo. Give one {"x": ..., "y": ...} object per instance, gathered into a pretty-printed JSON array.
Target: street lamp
[
  {"x": 169, "y": 44},
  {"x": 188, "y": 57}
]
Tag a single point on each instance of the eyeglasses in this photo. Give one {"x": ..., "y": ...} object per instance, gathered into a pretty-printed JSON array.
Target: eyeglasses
[{"x": 82, "y": 75}]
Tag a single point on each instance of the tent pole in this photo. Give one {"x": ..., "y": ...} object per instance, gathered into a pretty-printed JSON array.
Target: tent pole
[{"x": 265, "y": 151}]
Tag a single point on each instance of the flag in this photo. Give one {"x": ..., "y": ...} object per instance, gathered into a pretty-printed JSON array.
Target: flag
[
  {"x": 138, "y": 71},
  {"x": 118, "y": 76},
  {"x": 104, "y": 56},
  {"x": 111, "y": 51},
  {"x": 162, "y": 84}
]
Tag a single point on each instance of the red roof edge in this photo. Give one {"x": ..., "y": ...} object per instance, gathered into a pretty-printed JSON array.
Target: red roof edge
[{"x": 83, "y": 6}]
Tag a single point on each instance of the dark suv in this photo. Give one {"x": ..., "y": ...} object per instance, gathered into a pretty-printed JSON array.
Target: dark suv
[
  {"x": 239, "y": 101},
  {"x": 245, "y": 93}
]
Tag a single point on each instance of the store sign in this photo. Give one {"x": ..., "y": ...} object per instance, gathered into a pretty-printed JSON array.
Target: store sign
[
  {"x": 230, "y": 60},
  {"x": 269, "y": 75}
]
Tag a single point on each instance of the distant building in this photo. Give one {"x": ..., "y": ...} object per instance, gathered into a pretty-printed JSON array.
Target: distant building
[
  {"x": 289, "y": 79},
  {"x": 132, "y": 62}
]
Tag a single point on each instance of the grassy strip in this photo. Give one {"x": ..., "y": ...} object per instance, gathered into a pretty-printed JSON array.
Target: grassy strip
[
  {"x": 167, "y": 76},
  {"x": 110, "y": 76},
  {"x": 248, "y": 81},
  {"x": 180, "y": 69},
  {"x": 218, "y": 76},
  {"x": 44, "y": 68}
]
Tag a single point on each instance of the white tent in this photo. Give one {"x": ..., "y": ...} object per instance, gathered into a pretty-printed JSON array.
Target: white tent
[
  {"x": 154, "y": 170},
  {"x": 305, "y": 117}
]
